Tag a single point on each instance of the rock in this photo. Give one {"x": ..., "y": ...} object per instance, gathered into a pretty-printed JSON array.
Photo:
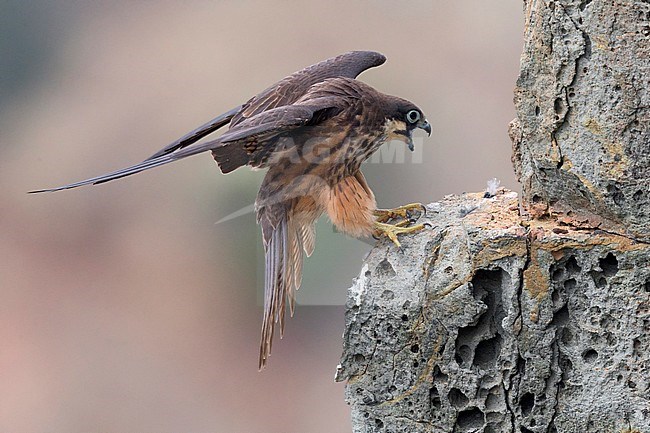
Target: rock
[
  {"x": 491, "y": 322},
  {"x": 582, "y": 135}
]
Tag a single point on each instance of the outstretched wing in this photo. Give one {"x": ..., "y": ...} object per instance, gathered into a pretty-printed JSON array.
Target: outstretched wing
[
  {"x": 283, "y": 93},
  {"x": 290, "y": 89}
]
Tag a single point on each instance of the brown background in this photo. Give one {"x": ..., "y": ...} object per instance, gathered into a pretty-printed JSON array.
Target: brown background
[{"x": 123, "y": 307}]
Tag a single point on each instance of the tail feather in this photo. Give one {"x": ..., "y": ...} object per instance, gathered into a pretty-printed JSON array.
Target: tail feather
[
  {"x": 198, "y": 133},
  {"x": 137, "y": 168}
]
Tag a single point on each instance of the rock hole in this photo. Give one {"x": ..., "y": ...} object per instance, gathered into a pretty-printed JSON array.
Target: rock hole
[
  {"x": 434, "y": 398},
  {"x": 385, "y": 269},
  {"x": 647, "y": 285},
  {"x": 521, "y": 366},
  {"x": 558, "y": 105},
  {"x": 570, "y": 284},
  {"x": 470, "y": 419},
  {"x": 523, "y": 429},
  {"x": 359, "y": 358},
  {"x": 567, "y": 336},
  {"x": 590, "y": 355},
  {"x": 526, "y": 403},
  {"x": 405, "y": 318},
  {"x": 388, "y": 294},
  {"x": 415, "y": 348},
  {"x": 600, "y": 282},
  {"x": 492, "y": 402},
  {"x": 536, "y": 198},
  {"x": 572, "y": 266},
  {"x": 560, "y": 317},
  {"x": 487, "y": 352},
  {"x": 558, "y": 274},
  {"x": 482, "y": 339},
  {"x": 537, "y": 110},
  {"x": 463, "y": 354},
  {"x": 614, "y": 190},
  {"x": 379, "y": 423},
  {"x": 609, "y": 265},
  {"x": 555, "y": 297},
  {"x": 566, "y": 366},
  {"x": 457, "y": 398},
  {"x": 439, "y": 376},
  {"x": 637, "y": 195}
]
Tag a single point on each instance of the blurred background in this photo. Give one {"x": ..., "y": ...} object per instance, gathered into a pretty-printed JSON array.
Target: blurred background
[{"x": 124, "y": 307}]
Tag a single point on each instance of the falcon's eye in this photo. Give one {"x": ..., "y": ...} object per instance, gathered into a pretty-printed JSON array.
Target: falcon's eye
[{"x": 413, "y": 116}]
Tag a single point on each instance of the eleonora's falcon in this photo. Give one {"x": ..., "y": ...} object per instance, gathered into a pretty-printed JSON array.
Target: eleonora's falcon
[{"x": 311, "y": 130}]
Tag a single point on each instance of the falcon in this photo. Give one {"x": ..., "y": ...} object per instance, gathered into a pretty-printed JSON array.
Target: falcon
[{"x": 311, "y": 131}]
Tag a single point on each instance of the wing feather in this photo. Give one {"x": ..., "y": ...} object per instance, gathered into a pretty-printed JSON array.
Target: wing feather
[
  {"x": 308, "y": 236},
  {"x": 290, "y": 89},
  {"x": 231, "y": 155}
]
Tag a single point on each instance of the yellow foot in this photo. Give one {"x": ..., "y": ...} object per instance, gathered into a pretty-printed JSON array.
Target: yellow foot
[
  {"x": 385, "y": 215},
  {"x": 392, "y": 230}
]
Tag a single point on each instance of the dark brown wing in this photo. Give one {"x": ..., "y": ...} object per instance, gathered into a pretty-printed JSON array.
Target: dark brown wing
[
  {"x": 285, "y": 92},
  {"x": 292, "y": 88},
  {"x": 289, "y": 90},
  {"x": 254, "y": 139}
]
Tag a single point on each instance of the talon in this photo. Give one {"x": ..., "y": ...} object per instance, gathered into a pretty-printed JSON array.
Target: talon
[
  {"x": 385, "y": 215},
  {"x": 392, "y": 230}
]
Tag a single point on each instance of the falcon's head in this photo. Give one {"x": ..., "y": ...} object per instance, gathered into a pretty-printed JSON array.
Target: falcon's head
[{"x": 402, "y": 118}]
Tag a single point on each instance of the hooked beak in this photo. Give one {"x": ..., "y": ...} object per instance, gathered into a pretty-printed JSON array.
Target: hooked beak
[
  {"x": 422, "y": 124},
  {"x": 426, "y": 126}
]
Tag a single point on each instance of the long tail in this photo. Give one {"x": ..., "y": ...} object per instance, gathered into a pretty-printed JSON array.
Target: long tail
[
  {"x": 144, "y": 165},
  {"x": 179, "y": 149}
]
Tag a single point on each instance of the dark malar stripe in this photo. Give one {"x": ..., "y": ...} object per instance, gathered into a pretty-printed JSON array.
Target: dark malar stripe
[{"x": 403, "y": 132}]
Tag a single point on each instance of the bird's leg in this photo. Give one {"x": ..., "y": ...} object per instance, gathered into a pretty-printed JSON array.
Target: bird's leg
[
  {"x": 385, "y": 215},
  {"x": 392, "y": 230},
  {"x": 382, "y": 228}
]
